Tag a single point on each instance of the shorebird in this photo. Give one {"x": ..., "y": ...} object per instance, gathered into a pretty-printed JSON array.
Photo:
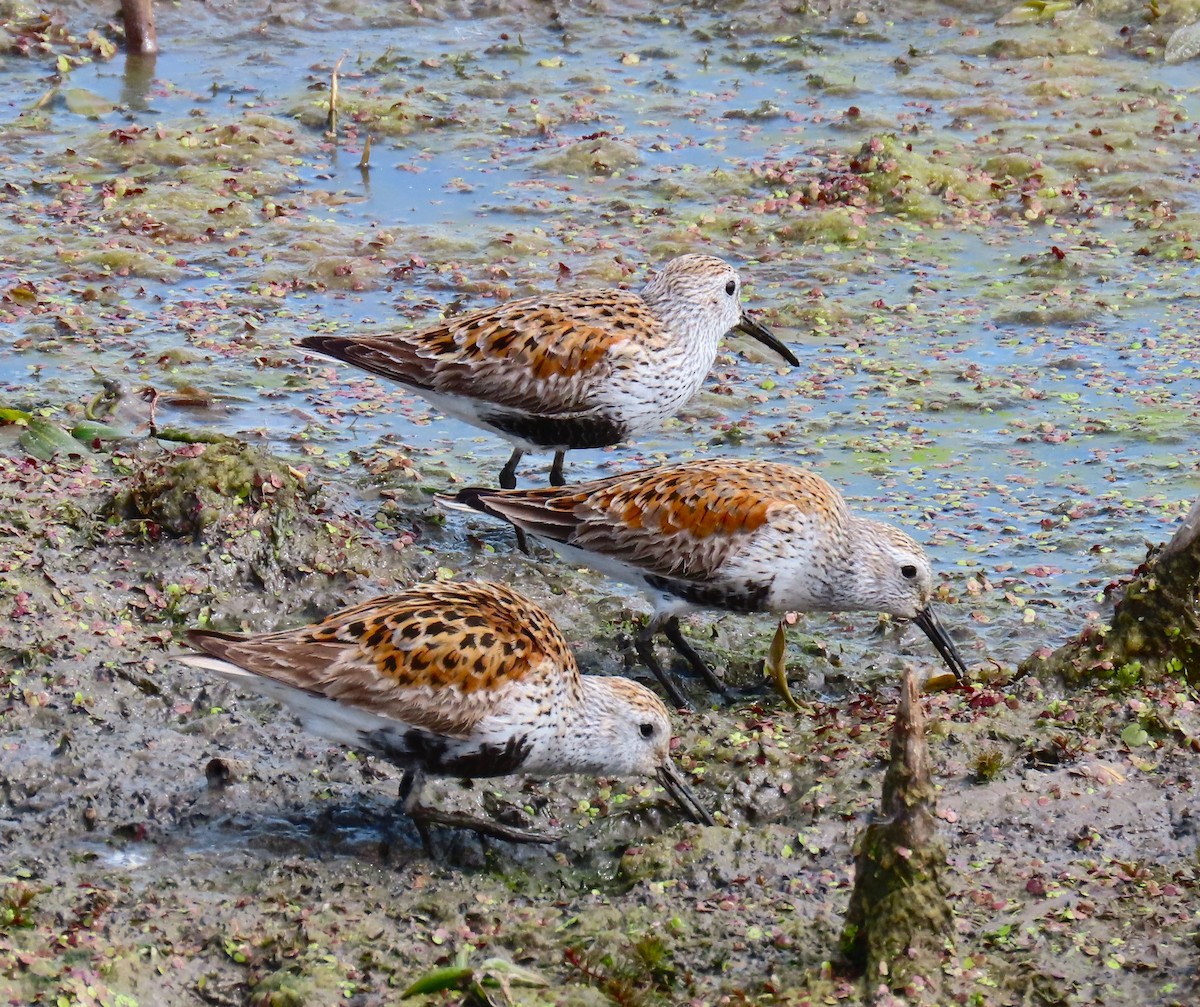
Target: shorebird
[
  {"x": 578, "y": 369},
  {"x": 748, "y": 536},
  {"x": 455, "y": 679}
]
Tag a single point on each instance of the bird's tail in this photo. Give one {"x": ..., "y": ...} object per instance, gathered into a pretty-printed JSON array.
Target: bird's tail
[
  {"x": 547, "y": 513},
  {"x": 340, "y": 722},
  {"x": 472, "y": 498}
]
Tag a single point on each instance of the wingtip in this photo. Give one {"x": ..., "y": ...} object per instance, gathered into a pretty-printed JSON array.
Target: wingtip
[
  {"x": 318, "y": 344},
  {"x": 211, "y": 642},
  {"x": 205, "y": 662},
  {"x": 469, "y": 498},
  {"x": 197, "y": 637}
]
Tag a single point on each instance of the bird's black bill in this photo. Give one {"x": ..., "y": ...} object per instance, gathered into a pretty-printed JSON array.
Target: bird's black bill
[
  {"x": 682, "y": 795},
  {"x": 941, "y": 640},
  {"x": 754, "y": 328}
]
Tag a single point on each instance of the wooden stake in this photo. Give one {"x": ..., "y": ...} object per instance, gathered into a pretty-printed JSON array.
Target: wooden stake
[{"x": 141, "y": 35}]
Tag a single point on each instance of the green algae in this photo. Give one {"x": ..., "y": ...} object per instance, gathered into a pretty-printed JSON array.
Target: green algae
[
  {"x": 84, "y": 102},
  {"x": 392, "y": 115},
  {"x": 910, "y": 183},
  {"x": 189, "y": 491},
  {"x": 250, "y": 141},
  {"x": 838, "y": 224},
  {"x": 262, "y": 518},
  {"x": 602, "y": 156}
]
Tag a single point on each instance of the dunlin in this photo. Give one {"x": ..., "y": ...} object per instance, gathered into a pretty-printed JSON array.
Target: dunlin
[
  {"x": 455, "y": 679},
  {"x": 581, "y": 369},
  {"x": 741, "y": 535}
]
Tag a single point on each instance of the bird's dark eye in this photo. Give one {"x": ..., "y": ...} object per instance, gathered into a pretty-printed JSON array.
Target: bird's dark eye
[
  {"x": 908, "y": 571},
  {"x": 731, "y": 287},
  {"x": 647, "y": 730}
]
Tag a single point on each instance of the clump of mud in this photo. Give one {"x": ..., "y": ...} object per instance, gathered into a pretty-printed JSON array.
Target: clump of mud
[
  {"x": 256, "y": 518},
  {"x": 199, "y": 486}
]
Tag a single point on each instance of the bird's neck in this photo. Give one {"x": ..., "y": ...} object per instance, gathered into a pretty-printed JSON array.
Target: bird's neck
[
  {"x": 586, "y": 725},
  {"x": 684, "y": 318}
]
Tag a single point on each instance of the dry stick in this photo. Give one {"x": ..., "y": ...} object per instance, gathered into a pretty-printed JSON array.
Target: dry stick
[
  {"x": 141, "y": 35},
  {"x": 333, "y": 95},
  {"x": 152, "y": 398},
  {"x": 898, "y": 919}
]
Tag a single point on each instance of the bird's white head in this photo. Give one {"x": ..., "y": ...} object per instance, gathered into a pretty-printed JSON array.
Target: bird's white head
[
  {"x": 697, "y": 290},
  {"x": 891, "y": 572},
  {"x": 699, "y": 298},
  {"x": 631, "y": 735},
  {"x": 628, "y": 729}
]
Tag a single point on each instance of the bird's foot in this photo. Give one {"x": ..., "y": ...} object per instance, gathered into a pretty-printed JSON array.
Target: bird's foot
[
  {"x": 424, "y": 816},
  {"x": 643, "y": 644},
  {"x": 698, "y": 665}
]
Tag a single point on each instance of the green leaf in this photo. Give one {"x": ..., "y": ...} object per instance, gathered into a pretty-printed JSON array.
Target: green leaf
[
  {"x": 87, "y": 431},
  {"x": 452, "y": 977},
  {"x": 22, "y": 295},
  {"x": 1035, "y": 10},
  {"x": 1134, "y": 735},
  {"x": 44, "y": 439},
  {"x": 14, "y": 416}
]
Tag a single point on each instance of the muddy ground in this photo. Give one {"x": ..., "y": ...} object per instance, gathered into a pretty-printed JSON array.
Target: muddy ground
[
  {"x": 977, "y": 226},
  {"x": 134, "y": 874}
]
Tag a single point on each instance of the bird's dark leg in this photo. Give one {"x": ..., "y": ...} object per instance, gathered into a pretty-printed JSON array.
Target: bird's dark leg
[
  {"x": 508, "y": 474},
  {"x": 411, "y": 782},
  {"x": 671, "y": 630},
  {"x": 508, "y": 481},
  {"x": 643, "y": 643},
  {"x": 556, "y": 469}
]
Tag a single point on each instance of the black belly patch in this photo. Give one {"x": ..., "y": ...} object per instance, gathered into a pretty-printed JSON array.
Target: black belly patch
[
  {"x": 431, "y": 752},
  {"x": 559, "y": 433},
  {"x": 751, "y": 598}
]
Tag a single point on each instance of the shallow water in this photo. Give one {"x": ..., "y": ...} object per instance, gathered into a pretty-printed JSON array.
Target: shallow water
[{"x": 931, "y": 388}]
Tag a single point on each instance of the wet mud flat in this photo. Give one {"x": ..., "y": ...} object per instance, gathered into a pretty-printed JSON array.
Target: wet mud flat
[
  {"x": 174, "y": 841},
  {"x": 977, "y": 230}
]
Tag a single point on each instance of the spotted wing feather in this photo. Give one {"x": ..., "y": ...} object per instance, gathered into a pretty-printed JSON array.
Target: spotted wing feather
[
  {"x": 540, "y": 355},
  {"x": 677, "y": 524},
  {"x": 434, "y": 657}
]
